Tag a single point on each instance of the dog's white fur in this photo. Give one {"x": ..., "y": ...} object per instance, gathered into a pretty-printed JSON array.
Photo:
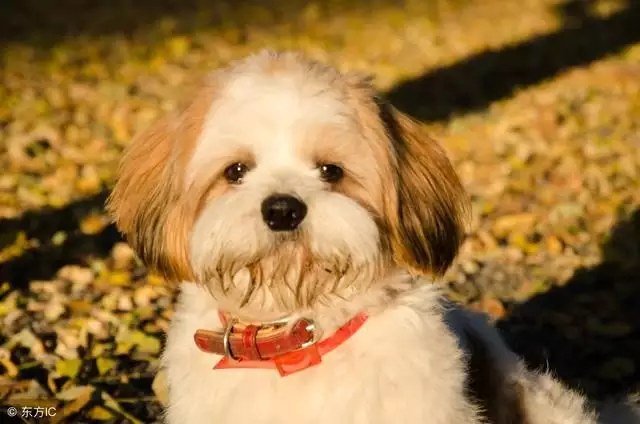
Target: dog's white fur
[{"x": 374, "y": 243}]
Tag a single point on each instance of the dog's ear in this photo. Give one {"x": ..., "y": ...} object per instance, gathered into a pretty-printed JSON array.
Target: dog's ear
[
  {"x": 427, "y": 210},
  {"x": 149, "y": 202}
]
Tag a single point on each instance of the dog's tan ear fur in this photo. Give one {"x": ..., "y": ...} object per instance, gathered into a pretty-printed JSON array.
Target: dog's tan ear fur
[
  {"x": 149, "y": 202},
  {"x": 424, "y": 205},
  {"x": 426, "y": 221}
]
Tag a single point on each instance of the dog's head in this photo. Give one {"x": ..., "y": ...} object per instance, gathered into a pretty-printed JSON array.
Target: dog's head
[{"x": 284, "y": 180}]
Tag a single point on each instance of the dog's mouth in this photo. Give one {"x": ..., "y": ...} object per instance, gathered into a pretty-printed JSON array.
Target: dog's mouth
[
  {"x": 285, "y": 237},
  {"x": 287, "y": 275}
]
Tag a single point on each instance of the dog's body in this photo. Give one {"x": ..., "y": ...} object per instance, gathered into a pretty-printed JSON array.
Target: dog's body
[
  {"x": 410, "y": 363},
  {"x": 288, "y": 190}
]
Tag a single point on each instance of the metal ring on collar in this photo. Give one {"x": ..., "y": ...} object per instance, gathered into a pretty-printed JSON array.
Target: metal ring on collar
[{"x": 225, "y": 340}]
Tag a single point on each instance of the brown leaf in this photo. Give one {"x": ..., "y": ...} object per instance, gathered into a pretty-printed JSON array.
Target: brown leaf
[{"x": 79, "y": 396}]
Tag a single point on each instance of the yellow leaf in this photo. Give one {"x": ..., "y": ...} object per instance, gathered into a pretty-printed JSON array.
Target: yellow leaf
[
  {"x": 521, "y": 221},
  {"x": 155, "y": 280},
  {"x": 79, "y": 396},
  {"x": 59, "y": 238},
  {"x": 80, "y": 306},
  {"x": 118, "y": 278},
  {"x": 159, "y": 387},
  {"x": 111, "y": 403},
  {"x": 98, "y": 349},
  {"x": 4, "y": 310},
  {"x": 28, "y": 339},
  {"x": 145, "y": 343},
  {"x": 93, "y": 224},
  {"x": 178, "y": 46},
  {"x": 74, "y": 392},
  {"x": 554, "y": 245},
  {"x": 100, "y": 414},
  {"x": 28, "y": 391},
  {"x": 105, "y": 365},
  {"x": 68, "y": 367},
  {"x": 123, "y": 348}
]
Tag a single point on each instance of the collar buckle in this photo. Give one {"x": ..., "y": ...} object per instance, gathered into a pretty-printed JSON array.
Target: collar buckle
[
  {"x": 315, "y": 334},
  {"x": 226, "y": 338}
]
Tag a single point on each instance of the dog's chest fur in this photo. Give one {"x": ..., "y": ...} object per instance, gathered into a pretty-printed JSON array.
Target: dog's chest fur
[{"x": 402, "y": 366}]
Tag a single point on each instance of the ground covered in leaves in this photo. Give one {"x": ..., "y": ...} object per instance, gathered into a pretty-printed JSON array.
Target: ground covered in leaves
[{"x": 537, "y": 102}]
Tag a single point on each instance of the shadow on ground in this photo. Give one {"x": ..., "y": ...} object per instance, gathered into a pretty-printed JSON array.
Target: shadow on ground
[
  {"x": 474, "y": 83},
  {"x": 41, "y": 24},
  {"x": 38, "y": 23},
  {"x": 43, "y": 261},
  {"x": 588, "y": 331}
]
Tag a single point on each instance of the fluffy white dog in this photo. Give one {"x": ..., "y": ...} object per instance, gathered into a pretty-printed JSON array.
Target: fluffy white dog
[{"x": 307, "y": 220}]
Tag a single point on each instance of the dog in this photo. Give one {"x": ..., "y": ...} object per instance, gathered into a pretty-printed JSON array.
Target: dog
[{"x": 307, "y": 221}]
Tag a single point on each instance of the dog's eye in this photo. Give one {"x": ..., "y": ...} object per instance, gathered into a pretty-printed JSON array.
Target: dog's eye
[
  {"x": 234, "y": 173},
  {"x": 331, "y": 173}
]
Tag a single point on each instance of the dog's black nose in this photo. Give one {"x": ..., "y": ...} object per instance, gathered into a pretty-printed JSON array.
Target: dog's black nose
[{"x": 282, "y": 212}]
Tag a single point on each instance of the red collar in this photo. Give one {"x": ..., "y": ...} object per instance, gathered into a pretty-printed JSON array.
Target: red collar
[{"x": 281, "y": 345}]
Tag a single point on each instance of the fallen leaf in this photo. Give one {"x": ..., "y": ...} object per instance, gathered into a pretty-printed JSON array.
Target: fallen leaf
[
  {"x": 79, "y": 396},
  {"x": 105, "y": 365},
  {"x": 69, "y": 367},
  {"x": 159, "y": 387},
  {"x": 111, "y": 403},
  {"x": 99, "y": 413},
  {"x": 508, "y": 223}
]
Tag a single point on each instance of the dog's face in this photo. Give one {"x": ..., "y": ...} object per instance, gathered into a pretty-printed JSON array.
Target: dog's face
[{"x": 283, "y": 181}]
